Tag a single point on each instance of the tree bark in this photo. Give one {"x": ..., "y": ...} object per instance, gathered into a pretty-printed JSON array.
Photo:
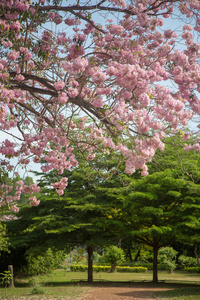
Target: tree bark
[
  {"x": 155, "y": 264},
  {"x": 137, "y": 256},
  {"x": 11, "y": 284},
  {"x": 196, "y": 254},
  {"x": 90, "y": 264}
]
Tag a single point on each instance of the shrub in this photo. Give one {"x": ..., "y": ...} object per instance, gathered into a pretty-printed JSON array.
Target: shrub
[
  {"x": 101, "y": 268},
  {"x": 147, "y": 265},
  {"x": 78, "y": 268},
  {"x": 6, "y": 278},
  {"x": 186, "y": 261},
  {"x": 44, "y": 264},
  {"x": 192, "y": 269},
  {"x": 131, "y": 269},
  {"x": 114, "y": 256},
  {"x": 83, "y": 268},
  {"x": 166, "y": 258},
  {"x": 37, "y": 288}
]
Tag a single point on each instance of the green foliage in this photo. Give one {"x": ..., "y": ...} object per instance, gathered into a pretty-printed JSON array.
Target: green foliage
[
  {"x": 84, "y": 268},
  {"x": 5, "y": 278},
  {"x": 186, "y": 164},
  {"x": 78, "y": 268},
  {"x": 186, "y": 261},
  {"x": 114, "y": 256},
  {"x": 131, "y": 269},
  {"x": 192, "y": 269},
  {"x": 167, "y": 258},
  {"x": 37, "y": 287},
  {"x": 44, "y": 264},
  {"x": 3, "y": 239}
]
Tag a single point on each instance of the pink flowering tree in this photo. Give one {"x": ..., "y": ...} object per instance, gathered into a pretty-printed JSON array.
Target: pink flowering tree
[{"x": 94, "y": 76}]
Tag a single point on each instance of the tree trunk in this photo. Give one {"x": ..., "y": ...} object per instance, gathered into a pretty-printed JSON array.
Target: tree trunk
[
  {"x": 155, "y": 264},
  {"x": 90, "y": 262},
  {"x": 130, "y": 255},
  {"x": 196, "y": 254},
  {"x": 11, "y": 284},
  {"x": 137, "y": 256},
  {"x": 113, "y": 268}
]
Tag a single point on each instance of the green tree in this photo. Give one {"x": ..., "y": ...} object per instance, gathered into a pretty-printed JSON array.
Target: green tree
[
  {"x": 167, "y": 258},
  {"x": 185, "y": 164},
  {"x": 114, "y": 256},
  {"x": 3, "y": 238},
  {"x": 86, "y": 215},
  {"x": 155, "y": 208}
]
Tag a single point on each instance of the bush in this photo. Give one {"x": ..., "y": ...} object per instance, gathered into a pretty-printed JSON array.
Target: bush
[
  {"x": 44, "y": 264},
  {"x": 131, "y": 269},
  {"x": 166, "y": 258},
  {"x": 101, "y": 268},
  {"x": 192, "y": 269},
  {"x": 83, "y": 268},
  {"x": 114, "y": 256},
  {"x": 78, "y": 268},
  {"x": 37, "y": 288},
  {"x": 186, "y": 261},
  {"x": 147, "y": 265}
]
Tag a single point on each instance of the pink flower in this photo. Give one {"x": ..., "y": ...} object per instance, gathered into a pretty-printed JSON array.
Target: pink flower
[
  {"x": 73, "y": 92},
  {"x": 15, "y": 209},
  {"x": 15, "y": 26},
  {"x": 12, "y": 55},
  {"x": 19, "y": 77},
  {"x": 59, "y": 85},
  {"x": 28, "y": 56},
  {"x": 34, "y": 201},
  {"x": 97, "y": 102}
]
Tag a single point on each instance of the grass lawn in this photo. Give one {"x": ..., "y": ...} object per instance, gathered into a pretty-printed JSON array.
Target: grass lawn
[
  {"x": 184, "y": 293},
  {"x": 63, "y": 276},
  {"x": 68, "y": 285}
]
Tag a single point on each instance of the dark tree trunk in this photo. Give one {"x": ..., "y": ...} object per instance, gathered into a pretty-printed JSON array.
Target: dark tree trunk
[
  {"x": 196, "y": 254},
  {"x": 129, "y": 254},
  {"x": 90, "y": 262},
  {"x": 113, "y": 268},
  {"x": 120, "y": 243},
  {"x": 137, "y": 256},
  {"x": 155, "y": 264}
]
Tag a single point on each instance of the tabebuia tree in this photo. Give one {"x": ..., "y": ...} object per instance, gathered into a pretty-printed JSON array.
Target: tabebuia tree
[{"x": 94, "y": 75}]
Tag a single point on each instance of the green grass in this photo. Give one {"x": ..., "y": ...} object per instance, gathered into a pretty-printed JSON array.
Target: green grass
[
  {"x": 68, "y": 285},
  {"x": 51, "y": 292},
  {"x": 63, "y": 276},
  {"x": 187, "y": 293}
]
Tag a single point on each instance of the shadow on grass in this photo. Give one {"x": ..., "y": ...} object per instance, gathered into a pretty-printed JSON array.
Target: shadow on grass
[
  {"x": 109, "y": 284},
  {"x": 179, "y": 292}
]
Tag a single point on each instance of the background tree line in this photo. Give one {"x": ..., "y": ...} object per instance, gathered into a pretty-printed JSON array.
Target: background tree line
[{"x": 102, "y": 206}]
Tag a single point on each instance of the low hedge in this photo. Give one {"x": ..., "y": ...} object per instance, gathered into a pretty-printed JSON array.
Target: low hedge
[
  {"x": 83, "y": 268},
  {"x": 131, "y": 269},
  {"x": 192, "y": 269}
]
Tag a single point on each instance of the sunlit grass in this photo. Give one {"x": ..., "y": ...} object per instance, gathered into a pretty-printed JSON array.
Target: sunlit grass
[
  {"x": 63, "y": 276},
  {"x": 51, "y": 292},
  {"x": 62, "y": 284}
]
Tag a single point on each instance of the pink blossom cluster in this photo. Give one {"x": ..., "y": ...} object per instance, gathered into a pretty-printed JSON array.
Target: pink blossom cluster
[
  {"x": 60, "y": 185},
  {"x": 116, "y": 73},
  {"x": 8, "y": 201}
]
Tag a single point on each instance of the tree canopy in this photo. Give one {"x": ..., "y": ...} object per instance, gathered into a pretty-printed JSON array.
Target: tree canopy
[
  {"x": 160, "y": 208},
  {"x": 95, "y": 75}
]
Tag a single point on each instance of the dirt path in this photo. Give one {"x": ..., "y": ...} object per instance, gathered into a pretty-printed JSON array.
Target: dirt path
[{"x": 121, "y": 293}]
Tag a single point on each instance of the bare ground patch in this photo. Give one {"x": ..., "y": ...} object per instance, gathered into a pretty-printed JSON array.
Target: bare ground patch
[{"x": 121, "y": 293}]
